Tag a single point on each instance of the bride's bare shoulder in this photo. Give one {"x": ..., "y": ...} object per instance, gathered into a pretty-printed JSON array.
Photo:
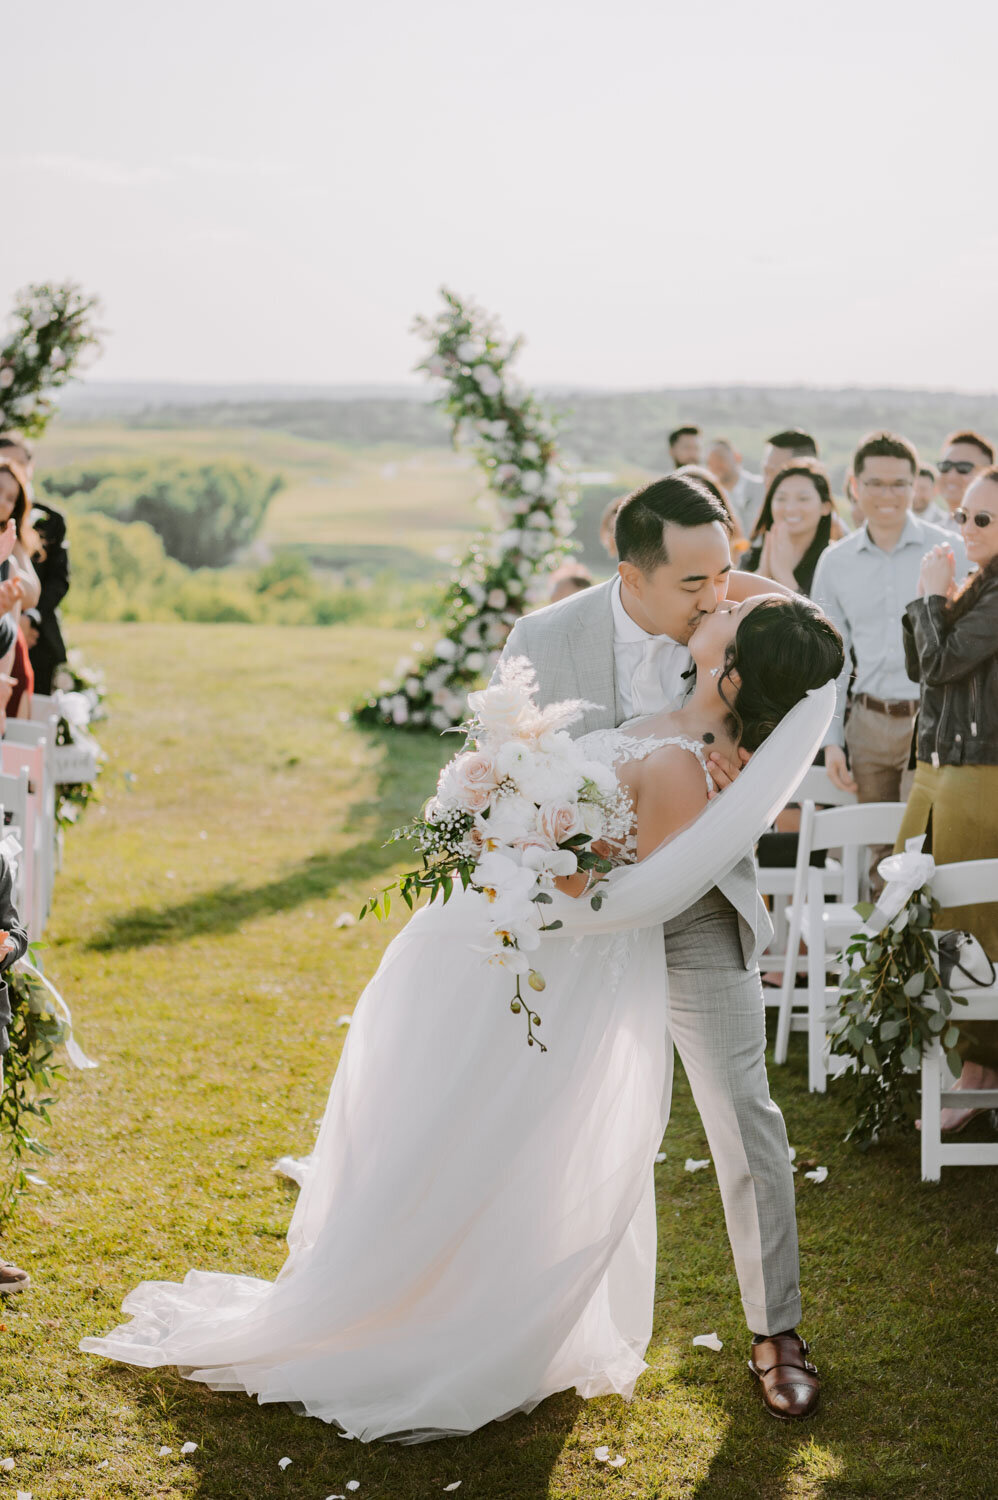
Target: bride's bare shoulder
[{"x": 670, "y": 793}]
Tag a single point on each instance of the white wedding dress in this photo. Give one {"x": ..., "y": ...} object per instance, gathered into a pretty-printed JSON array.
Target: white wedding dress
[{"x": 477, "y": 1227}]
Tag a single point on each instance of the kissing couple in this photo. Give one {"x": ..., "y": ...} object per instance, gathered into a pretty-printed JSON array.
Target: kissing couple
[{"x": 476, "y": 1229}]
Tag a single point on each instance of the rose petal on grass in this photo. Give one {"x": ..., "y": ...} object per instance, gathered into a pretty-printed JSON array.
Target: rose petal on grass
[
  {"x": 345, "y": 919},
  {"x": 692, "y": 1165},
  {"x": 618, "y": 1462},
  {"x": 708, "y": 1341},
  {"x": 165, "y": 1452},
  {"x": 6, "y": 1464},
  {"x": 660, "y": 1158},
  {"x": 24, "y": 1495},
  {"x": 282, "y": 1463},
  {"x": 793, "y": 1153},
  {"x": 353, "y": 1484},
  {"x": 189, "y": 1448},
  {"x": 343, "y": 1020},
  {"x": 602, "y": 1454},
  {"x": 455, "y": 1486},
  {"x": 105, "y": 1463},
  {"x": 818, "y": 1175}
]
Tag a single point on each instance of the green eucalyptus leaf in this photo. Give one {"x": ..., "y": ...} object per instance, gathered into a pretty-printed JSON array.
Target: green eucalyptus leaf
[
  {"x": 955, "y": 1061},
  {"x": 914, "y": 985},
  {"x": 951, "y": 1038},
  {"x": 911, "y": 1058}
]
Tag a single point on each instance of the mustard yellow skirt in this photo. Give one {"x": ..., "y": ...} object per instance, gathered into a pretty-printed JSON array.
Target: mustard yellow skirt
[{"x": 957, "y": 807}]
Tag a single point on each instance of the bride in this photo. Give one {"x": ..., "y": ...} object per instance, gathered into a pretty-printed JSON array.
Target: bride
[{"x": 477, "y": 1228}]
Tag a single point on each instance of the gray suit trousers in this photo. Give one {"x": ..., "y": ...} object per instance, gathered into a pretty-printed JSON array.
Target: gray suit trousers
[{"x": 718, "y": 1022}]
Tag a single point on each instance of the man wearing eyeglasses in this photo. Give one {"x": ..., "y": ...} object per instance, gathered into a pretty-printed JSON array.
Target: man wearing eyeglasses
[
  {"x": 964, "y": 456},
  {"x": 864, "y": 584}
]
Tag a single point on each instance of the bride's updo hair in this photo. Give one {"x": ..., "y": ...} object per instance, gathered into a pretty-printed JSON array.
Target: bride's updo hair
[{"x": 782, "y": 648}]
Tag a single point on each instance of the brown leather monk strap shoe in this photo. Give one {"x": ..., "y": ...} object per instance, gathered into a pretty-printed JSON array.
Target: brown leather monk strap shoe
[{"x": 789, "y": 1382}]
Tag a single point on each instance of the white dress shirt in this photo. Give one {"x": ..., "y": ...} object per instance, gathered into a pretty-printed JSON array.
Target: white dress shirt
[
  {"x": 657, "y": 661},
  {"x": 865, "y": 591}
]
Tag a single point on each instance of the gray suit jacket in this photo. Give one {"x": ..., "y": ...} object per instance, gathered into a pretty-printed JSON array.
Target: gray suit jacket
[{"x": 571, "y": 647}]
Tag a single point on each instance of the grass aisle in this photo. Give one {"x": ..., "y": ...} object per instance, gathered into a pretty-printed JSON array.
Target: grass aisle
[{"x": 194, "y": 937}]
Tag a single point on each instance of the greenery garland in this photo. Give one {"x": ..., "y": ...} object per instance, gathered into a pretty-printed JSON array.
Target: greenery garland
[
  {"x": 892, "y": 1004},
  {"x": 52, "y": 329},
  {"x": 28, "y": 1078},
  {"x": 513, "y": 439}
]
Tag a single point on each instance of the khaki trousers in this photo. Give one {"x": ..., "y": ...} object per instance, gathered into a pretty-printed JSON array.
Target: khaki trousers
[{"x": 879, "y": 750}]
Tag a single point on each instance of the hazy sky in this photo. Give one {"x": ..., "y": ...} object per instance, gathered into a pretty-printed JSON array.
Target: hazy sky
[{"x": 653, "y": 193}]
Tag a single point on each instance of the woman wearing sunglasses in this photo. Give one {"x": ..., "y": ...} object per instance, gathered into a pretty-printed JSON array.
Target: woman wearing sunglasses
[{"x": 951, "y": 647}]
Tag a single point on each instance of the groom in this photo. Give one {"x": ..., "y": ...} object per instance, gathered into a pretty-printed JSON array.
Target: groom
[{"x": 623, "y": 645}]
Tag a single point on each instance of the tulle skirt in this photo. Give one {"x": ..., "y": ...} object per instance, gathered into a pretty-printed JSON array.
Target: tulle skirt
[{"x": 477, "y": 1226}]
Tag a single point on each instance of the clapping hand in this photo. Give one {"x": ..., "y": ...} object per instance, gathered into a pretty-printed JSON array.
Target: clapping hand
[
  {"x": 8, "y": 539},
  {"x": 10, "y": 592},
  {"x": 781, "y": 557},
  {"x": 938, "y": 572}
]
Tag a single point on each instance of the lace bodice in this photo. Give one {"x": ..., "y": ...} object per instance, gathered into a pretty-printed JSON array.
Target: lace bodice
[{"x": 615, "y": 747}]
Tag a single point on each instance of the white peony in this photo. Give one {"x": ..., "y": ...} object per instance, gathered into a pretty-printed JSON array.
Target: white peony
[
  {"x": 496, "y": 599},
  {"x": 531, "y": 482},
  {"x": 445, "y": 649},
  {"x": 6, "y": 377},
  {"x": 512, "y": 757},
  {"x": 530, "y": 450},
  {"x": 467, "y": 351},
  {"x": 488, "y": 381}
]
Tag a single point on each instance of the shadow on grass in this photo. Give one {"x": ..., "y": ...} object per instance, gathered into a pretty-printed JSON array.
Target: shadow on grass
[
  {"x": 228, "y": 906},
  {"x": 240, "y": 1445}
]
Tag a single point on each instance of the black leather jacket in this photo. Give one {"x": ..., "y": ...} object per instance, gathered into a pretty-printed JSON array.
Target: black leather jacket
[{"x": 957, "y": 664}]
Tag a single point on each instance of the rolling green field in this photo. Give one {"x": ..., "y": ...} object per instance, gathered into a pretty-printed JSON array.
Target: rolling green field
[
  {"x": 385, "y": 506},
  {"x": 194, "y": 936}
]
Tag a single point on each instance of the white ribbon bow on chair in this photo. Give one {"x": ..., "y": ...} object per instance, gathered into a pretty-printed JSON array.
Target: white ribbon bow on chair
[{"x": 905, "y": 874}]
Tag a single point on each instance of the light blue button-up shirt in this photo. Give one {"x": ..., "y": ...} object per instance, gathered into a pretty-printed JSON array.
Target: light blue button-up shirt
[{"x": 864, "y": 591}]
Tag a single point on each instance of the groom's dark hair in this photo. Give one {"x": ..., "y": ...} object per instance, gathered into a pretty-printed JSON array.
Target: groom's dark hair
[{"x": 677, "y": 500}]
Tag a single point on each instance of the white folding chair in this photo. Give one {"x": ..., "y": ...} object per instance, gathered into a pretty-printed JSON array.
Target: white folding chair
[
  {"x": 826, "y": 926},
  {"x": 778, "y": 884},
  {"x": 43, "y": 707},
  {"x": 30, "y": 734},
  {"x": 965, "y": 884},
  {"x": 16, "y": 802},
  {"x": 819, "y": 788},
  {"x": 15, "y": 760}
]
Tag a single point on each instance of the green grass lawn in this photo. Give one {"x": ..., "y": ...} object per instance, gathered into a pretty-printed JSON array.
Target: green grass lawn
[{"x": 193, "y": 934}]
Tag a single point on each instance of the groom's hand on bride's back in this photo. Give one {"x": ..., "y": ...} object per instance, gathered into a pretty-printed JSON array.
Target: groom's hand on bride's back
[{"x": 724, "y": 768}]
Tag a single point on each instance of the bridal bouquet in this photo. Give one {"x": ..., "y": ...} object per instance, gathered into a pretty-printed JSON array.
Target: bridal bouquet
[{"x": 519, "y": 806}]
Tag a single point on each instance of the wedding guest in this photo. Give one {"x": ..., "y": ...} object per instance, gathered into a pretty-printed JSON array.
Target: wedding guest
[
  {"x": 794, "y": 527},
  {"x": 19, "y": 703},
  {"x": 782, "y": 449},
  {"x": 15, "y": 503},
  {"x": 685, "y": 445},
  {"x": 951, "y": 647},
  {"x": 569, "y": 579},
  {"x": 744, "y": 490},
  {"x": 607, "y": 524},
  {"x": 51, "y": 563},
  {"x": 862, "y": 583},
  {"x": 923, "y": 501},
  {"x": 963, "y": 457},
  {"x": 738, "y": 539}
]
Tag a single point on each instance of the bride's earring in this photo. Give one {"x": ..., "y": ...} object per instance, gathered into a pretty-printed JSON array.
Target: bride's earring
[{"x": 714, "y": 671}]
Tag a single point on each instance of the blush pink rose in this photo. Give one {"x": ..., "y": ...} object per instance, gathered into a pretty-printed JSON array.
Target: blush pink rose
[
  {"x": 473, "y": 779},
  {"x": 534, "y": 840},
  {"x": 558, "y": 821}
]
